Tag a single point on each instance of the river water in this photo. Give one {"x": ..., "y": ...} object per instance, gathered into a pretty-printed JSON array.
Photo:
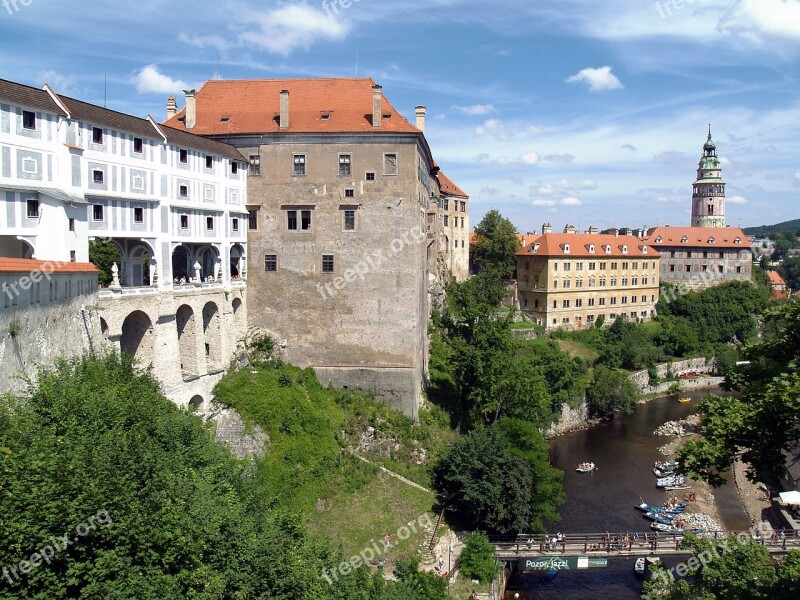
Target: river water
[{"x": 624, "y": 451}]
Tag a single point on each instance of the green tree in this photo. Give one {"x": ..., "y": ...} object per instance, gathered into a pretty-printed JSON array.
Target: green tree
[
  {"x": 781, "y": 249},
  {"x": 677, "y": 337},
  {"x": 496, "y": 245},
  {"x": 499, "y": 479},
  {"x": 610, "y": 391},
  {"x": 477, "y": 559},
  {"x": 103, "y": 254},
  {"x": 790, "y": 271},
  {"x": 746, "y": 426}
]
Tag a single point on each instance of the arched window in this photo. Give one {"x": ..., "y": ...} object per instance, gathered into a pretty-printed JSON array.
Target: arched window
[{"x": 566, "y": 248}]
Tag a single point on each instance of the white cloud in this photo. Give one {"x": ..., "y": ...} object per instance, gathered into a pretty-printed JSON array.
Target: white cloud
[
  {"x": 737, "y": 200},
  {"x": 151, "y": 81},
  {"x": 285, "y": 29},
  {"x": 544, "y": 202},
  {"x": 630, "y": 147},
  {"x": 559, "y": 158},
  {"x": 571, "y": 202},
  {"x": 599, "y": 80},
  {"x": 764, "y": 20},
  {"x": 61, "y": 84},
  {"x": 494, "y": 128},
  {"x": 531, "y": 158},
  {"x": 204, "y": 41},
  {"x": 797, "y": 176},
  {"x": 476, "y": 109}
]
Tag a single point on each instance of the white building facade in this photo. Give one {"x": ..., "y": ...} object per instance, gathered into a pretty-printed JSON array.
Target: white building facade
[{"x": 72, "y": 172}]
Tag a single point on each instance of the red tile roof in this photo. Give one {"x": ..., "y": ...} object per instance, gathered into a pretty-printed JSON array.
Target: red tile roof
[
  {"x": 26, "y": 265},
  {"x": 775, "y": 278},
  {"x": 448, "y": 187},
  {"x": 252, "y": 106},
  {"x": 554, "y": 244},
  {"x": 724, "y": 237}
]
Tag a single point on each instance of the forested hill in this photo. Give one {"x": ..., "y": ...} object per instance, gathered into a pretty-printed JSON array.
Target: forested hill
[{"x": 793, "y": 225}]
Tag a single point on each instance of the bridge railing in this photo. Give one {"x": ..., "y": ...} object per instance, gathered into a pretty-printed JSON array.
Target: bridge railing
[{"x": 654, "y": 541}]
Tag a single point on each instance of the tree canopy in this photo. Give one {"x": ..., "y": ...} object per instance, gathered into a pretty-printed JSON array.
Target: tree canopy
[{"x": 496, "y": 245}]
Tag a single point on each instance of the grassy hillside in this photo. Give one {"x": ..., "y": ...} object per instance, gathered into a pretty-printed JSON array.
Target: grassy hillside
[
  {"x": 310, "y": 467},
  {"x": 793, "y": 225}
]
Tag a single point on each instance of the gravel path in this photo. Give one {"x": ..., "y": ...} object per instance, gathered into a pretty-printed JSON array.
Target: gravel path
[{"x": 753, "y": 496}]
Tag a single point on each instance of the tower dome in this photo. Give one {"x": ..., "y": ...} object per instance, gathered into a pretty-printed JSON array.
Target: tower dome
[{"x": 708, "y": 195}]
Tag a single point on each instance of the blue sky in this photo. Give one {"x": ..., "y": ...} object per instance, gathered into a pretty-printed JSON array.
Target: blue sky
[{"x": 567, "y": 111}]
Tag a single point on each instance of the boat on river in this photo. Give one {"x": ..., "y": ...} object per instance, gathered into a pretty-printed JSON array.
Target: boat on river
[
  {"x": 661, "y": 473},
  {"x": 673, "y": 488},
  {"x": 585, "y": 467},
  {"x": 667, "y": 464},
  {"x": 665, "y": 528},
  {"x": 664, "y": 519},
  {"x": 640, "y": 567},
  {"x": 685, "y": 400},
  {"x": 675, "y": 480},
  {"x": 676, "y": 508}
]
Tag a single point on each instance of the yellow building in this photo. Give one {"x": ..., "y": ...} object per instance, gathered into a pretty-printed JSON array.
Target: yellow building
[{"x": 570, "y": 280}]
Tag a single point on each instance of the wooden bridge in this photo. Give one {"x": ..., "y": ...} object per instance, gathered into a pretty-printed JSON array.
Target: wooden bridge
[{"x": 630, "y": 544}]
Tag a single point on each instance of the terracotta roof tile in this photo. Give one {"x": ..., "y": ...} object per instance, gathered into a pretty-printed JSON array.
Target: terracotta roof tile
[
  {"x": 26, "y": 265},
  {"x": 448, "y": 187},
  {"x": 724, "y": 237},
  {"x": 554, "y": 244},
  {"x": 775, "y": 278},
  {"x": 252, "y": 106}
]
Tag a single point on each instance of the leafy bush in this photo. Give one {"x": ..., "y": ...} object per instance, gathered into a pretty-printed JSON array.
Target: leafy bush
[{"x": 477, "y": 559}]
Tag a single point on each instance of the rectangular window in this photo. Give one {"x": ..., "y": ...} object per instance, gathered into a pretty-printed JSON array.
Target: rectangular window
[
  {"x": 255, "y": 165},
  {"x": 349, "y": 193},
  {"x": 234, "y": 167},
  {"x": 138, "y": 215},
  {"x": 602, "y": 301},
  {"x": 98, "y": 176},
  {"x": 299, "y": 165},
  {"x": 390, "y": 163},
  {"x": 602, "y": 266},
  {"x": 592, "y": 266},
  {"x": 138, "y": 145},
  {"x": 591, "y": 301},
  {"x": 634, "y": 299},
  {"x": 613, "y": 301},
  {"x": 463, "y": 207},
  {"x": 184, "y": 156},
  {"x": 183, "y": 191},
  {"x": 209, "y": 162},
  {"x": 349, "y": 220},
  {"x": 462, "y": 222},
  {"x": 252, "y": 220},
  {"x": 446, "y": 204},
  {"x": 614, "y": 266},
  {"x": 327, "y": 263},
  {"x": 344, "y": 165},
  {"x": 72, "y": 224},
  {"x": 97, "y": 135},
  {"x": 291, "y": 220},
  {"x": 565, "y": 303},
  {"x": 28, "y": 120},
  {"x": 370, "y": 176},
  {"x": 672, "y": 268},
  {"x": 235, "y": 224},
  {"x": 305, "y": 220},
  {"x": 579, "y": 266},
  {"x": 579, "y": 303},
  {"x": 209, "y": 223},
  {"x": 567, "y": 266},
  {"x": 624, "y": 266},
  {"x": 72, "y": 257},
  {"x": 184, "y": 221},
  {"x": 270, "y": 263},
  {"x": 97, "y": 212},
  {"x": 33, "y": 209},
  {"x": 446, "y": 220}
]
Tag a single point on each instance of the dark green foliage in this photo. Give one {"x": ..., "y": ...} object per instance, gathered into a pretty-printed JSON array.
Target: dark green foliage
[
  {"x": 496, "y": 245},
  {"x": 762, "y": 424},
  {"x": 787, "y": 227},
  {"x": 103, "y": 254},
  {"x": 477, "y": 559},
  {"x": 610, "y": 391},
  {"x": 790, "y": 271},
  {"x": 738, "y": 569},
  {"x": 499, "y": 479}
]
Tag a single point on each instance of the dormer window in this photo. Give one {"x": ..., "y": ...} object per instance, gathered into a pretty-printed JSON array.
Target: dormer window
[
  {"x": 535, "y": 248},
  {"x": 325, "y": 116},
  {"x": 591, "y": 248},
  {"x": 711, "y": 240},
  {"x": 624, "y": 249},
  {"x": 608, "y": 249},
  {"x": 566, "y": 248},
  {"x": 737, "y": 241},
  {"x": 644, "y": 251},
  {"x": 684, "y": 240},
  {"x": 659, "y": 239}
]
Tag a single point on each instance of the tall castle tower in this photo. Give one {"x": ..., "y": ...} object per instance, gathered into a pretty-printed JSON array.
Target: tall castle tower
[{"x": 708, "y": 196}]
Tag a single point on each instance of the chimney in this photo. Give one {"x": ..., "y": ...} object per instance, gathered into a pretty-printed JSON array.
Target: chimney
[
  {"x": 547, "y": 228},
  {"x": 284, "y": 118},
  {"x": 593, "y": 230},
  {"x": 570, "y": 229},
  {"x": 421, "y": 110},
  {"x": 377, "y": 109},
  {"x": 191, "y": 109},
  {"x": 172, "y": 107}
]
